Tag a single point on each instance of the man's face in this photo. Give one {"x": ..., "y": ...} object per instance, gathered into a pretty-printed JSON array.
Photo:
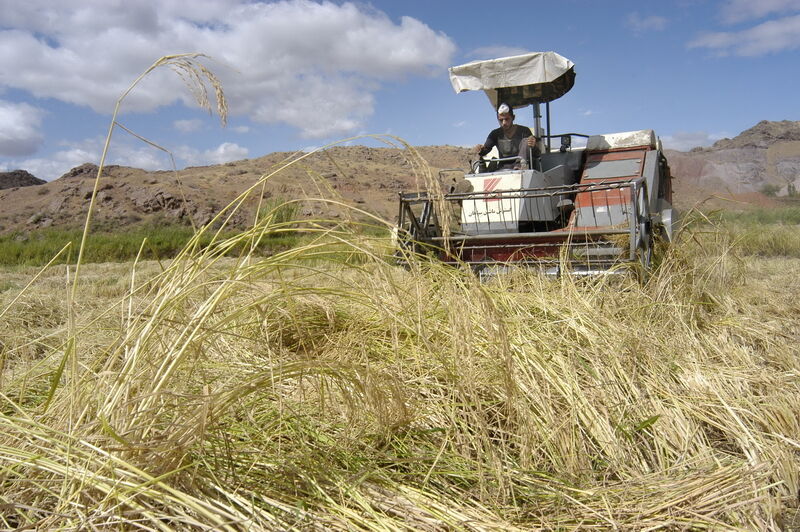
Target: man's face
[{"x": 506, "y": 120}]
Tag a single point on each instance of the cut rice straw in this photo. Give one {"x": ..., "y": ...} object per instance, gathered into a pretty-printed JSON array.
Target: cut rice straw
[{"x": 324, "y": 387}]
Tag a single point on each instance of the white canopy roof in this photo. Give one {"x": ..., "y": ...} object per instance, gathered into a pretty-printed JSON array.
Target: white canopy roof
[{"x": 517, "y": 80}]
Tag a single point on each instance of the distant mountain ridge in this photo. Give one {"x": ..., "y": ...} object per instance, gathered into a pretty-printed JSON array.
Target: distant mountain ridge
[
  {"x": 368, "y": 178},
  {"x": 19, "y": 178},
  {"x": 764, "y": 158},
  {"x": 762, "y": 135}
]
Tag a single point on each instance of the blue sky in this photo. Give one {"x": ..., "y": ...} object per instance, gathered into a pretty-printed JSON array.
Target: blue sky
[{"x": 301, "y": 73}]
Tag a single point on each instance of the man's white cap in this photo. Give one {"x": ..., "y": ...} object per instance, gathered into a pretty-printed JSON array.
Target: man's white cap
[{"x": 504, "y": 108}]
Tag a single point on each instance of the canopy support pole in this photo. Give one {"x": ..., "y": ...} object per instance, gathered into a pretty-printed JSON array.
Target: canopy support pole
[{"x": 547, "y": 107}]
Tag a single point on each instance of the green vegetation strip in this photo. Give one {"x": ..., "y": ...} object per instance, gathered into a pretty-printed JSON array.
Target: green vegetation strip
[
  {"x": 786, "y": 215},
  {"x": 766, "y": 232},
  {"x": 38, "y": 247}
]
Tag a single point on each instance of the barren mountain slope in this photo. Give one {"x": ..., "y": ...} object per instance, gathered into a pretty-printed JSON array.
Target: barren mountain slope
[
  {"x": 766, "y": 156},
  {"x": 368, "y": 178},
  {"x": 18, "y": 178}
]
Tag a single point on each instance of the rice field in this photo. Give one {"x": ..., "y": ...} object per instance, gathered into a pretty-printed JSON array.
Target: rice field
[{"x": 323, "y": 387}]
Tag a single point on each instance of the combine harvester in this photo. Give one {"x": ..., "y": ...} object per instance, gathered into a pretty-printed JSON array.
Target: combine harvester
[{"x": 592, "y": 209}]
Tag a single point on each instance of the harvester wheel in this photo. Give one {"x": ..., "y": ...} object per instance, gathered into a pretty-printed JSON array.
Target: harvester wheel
[{"x": 644, "y": 254}]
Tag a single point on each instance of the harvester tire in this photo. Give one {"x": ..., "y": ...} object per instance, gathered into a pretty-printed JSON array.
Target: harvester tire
[{"x": 644, "y": 255}]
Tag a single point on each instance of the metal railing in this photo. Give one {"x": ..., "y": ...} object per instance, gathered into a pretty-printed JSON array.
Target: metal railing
[{"x": 586, "y": 223}]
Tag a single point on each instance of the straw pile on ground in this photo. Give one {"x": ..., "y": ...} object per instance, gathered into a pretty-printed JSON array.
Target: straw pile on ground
[{"x": 324, "y": 387}]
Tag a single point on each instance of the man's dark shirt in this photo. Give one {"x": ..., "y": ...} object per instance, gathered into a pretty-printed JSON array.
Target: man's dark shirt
[{"x": 506, "y": 147}]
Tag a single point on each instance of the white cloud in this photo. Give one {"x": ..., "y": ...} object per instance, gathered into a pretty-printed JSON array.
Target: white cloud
[
  {"x": 735, "y": 11},
  {"x": 139, "y": 156},
  {"x": 493, "y": 52},
  {"x": 20, "y": 133},
  {"x": 125, "y": 152},
  {"x": 768, "y": 37},
  {"x": 225, "y": 152},
  {"x": 460, "y": 123},
  {"x": 643, "y": 24},
  {"x": 324, "y": 107},
  {"x": 686, "y": 140},
  {"x": 188, "y": 126},
  {"x": 241, "y": 129},
  {"x": 62, "y": 161},
  {"x": 310, "y": 64}
]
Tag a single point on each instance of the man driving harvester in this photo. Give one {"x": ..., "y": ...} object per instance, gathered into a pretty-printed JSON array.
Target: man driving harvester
[{"x": 512, "y": 140}]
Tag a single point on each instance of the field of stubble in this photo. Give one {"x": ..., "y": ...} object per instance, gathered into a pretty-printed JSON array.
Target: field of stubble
[{"x": 325, "y": 388}]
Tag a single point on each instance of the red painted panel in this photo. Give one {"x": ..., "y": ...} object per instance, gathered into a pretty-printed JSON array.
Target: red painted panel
[{"x": 616, "y": 155}]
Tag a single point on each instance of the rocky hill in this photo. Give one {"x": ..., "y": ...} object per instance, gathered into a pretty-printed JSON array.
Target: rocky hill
[
  {"x": 765, "y": 158},
  {"x": 368, "y": 178},
  {"x": 763, "y": 135},
  {"x": 19, "y": 178}
]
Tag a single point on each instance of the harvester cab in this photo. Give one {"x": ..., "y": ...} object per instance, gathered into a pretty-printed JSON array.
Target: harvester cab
[{"x": 586, "y": 208}]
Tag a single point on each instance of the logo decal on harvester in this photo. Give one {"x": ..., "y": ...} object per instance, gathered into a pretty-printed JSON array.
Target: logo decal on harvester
[{"x": 489, "y": 184}]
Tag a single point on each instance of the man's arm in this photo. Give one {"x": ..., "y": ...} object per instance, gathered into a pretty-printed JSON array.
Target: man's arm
[{"x": 490, "y": 143}]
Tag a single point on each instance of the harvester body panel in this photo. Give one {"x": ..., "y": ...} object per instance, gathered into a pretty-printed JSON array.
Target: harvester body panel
[{"x": 496, "y": 206}]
